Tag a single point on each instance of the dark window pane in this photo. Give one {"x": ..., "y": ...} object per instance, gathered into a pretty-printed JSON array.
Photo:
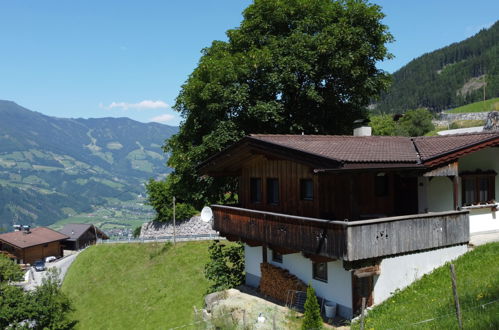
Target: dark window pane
[
  {"x": 256, "y": 190},
  {"x": 484, "y": 189},
  {"x": 272, "y": 191},
  {"x": 307, "y": 189},
  {"x": 381, "y": 185},
  {"x": 319, "y": 270},
  {"x": 276, "y": 256}
]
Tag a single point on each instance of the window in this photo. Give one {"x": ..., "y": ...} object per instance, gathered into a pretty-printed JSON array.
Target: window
[
  {"x": 256, "y": 190},
  {"x": 276, "y": 256},
  {"x": 381, "y": 185},
  {"x": 319, "y": 271},
  {"x": 306, "y": 189},
  {"x": 272, "y": 191},
  {"x": 478, "y": 187}
]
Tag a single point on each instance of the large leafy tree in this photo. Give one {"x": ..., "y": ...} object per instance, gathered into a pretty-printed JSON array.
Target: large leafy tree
[{"x": 292, "y": 66}]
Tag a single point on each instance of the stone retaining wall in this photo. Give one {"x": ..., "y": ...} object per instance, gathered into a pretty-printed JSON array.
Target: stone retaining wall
[
  {"x": 193, "y": 226},
  {"x": 462, "y": 116}
]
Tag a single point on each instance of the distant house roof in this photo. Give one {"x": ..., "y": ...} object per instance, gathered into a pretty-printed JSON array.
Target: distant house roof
[
  {"x": 350, "y": 152},
  {"x": 36, "y": 236},
  {"x": 75, "y": 230}
]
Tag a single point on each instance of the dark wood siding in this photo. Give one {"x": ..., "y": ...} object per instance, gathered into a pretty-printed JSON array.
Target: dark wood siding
[
  {"x": 353, "y": 196},
  {"x": 346, "y": 240},
  {"x": 289, "y": 175}
]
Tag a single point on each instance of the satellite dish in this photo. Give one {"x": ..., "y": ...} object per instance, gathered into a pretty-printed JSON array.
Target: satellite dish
[{"x": 206, "y": 214}]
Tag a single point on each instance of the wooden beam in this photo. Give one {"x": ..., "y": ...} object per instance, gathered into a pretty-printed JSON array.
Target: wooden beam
[
  {"x": 455, "y": 186},
  {"x": 282, "y": 250},
  {"x": 446, "y": 170},
  {"x": 367, "y": 271},
  {"x": 317, "y": 258}
]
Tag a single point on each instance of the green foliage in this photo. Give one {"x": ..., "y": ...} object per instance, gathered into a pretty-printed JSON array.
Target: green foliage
[
  {"x": 290, "y": 67},
  {"x": 431, "y": 297},
  {"x": 136, "y": 231},
  {"x": 46, "y": 307},
  {"x": 312, "y": 319},
  {"x": 434, "y": 80},
  {"x": 9, "y": 271},
  {"x": 416, "y": 123},
  {"x": 413, "y": 123},
  {"x": 383, "y": 125},
  {"x": 226, "y": 267},
  {"x": 160, "y": 197}
]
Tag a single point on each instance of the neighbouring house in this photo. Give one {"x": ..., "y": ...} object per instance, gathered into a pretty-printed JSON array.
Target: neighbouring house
[
  {"x": 28, "y": 245},
  {"x": 81, "y": 235},
  {"x": 356, "y": 216}
]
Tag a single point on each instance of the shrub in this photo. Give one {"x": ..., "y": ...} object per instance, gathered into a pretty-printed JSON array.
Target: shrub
[
  {"x": 226, "y": 266},
  {"x": 312, "y": 318}
]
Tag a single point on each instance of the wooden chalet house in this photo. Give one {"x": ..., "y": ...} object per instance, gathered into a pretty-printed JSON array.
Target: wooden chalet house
[
  {"x": 356, "y": 216},
  {"x": 29, "y": 245},
  {"x": 81, "y": 235}
]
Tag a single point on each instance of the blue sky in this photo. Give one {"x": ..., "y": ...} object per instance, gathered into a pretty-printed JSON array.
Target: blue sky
[{"x": 130, "y": 58}]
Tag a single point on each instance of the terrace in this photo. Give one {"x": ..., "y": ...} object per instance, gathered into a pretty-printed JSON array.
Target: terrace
[{"x": 344, "y": 240}]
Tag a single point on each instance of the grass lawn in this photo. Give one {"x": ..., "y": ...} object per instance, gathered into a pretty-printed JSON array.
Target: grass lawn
[
  {"x": 137, "y": 286},
  {"x": 431, "y": 297},
  {"x": 482, "y": 106}
]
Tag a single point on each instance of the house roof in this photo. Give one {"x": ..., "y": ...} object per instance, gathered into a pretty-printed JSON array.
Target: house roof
[
  {"x": 352, "y": 152},
  {"x": 430, "y": 147},
  {"x": 37, "y": 236},
  {"x": 349, "y": 149},
  {"x": 75, "y": 230}
]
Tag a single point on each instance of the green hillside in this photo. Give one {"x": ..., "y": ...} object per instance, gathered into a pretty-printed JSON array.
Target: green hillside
[
  {"x": 430, "y": 303},
  {"x": 137, "y": 286},
  {"x": 448, "y": 77},
  {"x": 51, "y": 168},
  {"x": 482, "y": 106}
]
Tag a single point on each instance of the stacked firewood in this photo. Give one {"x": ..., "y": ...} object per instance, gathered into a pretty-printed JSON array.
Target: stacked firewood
[{"x": 277, "y": 283}]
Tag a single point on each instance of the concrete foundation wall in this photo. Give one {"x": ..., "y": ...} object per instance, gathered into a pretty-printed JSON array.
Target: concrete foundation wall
[{"x": 399, "y": 272}]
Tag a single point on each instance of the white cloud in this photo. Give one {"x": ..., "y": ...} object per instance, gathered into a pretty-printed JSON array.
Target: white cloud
[
  {"x": 162, "y": 118},
  {"x": 146, "y": 104}
]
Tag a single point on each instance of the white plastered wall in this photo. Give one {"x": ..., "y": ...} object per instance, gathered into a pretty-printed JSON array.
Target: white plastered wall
[
  {"x": 253, "y": 257},
  {"x": 399, "y": 272},
  {"x": 484, "y": 219},
  {"x": 440, "y": 194}
]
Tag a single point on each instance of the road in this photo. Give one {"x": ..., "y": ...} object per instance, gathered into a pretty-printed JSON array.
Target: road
[{"x": 35, "y": 279}]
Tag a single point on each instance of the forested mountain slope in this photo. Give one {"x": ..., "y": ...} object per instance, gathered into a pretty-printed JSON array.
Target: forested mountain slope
[
  {"x": 448, "y": 77},
  {"x": 51, "y": 167}
]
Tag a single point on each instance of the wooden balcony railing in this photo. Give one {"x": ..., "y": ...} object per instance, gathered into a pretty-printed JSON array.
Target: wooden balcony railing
[{"x": 345, "y": 240}]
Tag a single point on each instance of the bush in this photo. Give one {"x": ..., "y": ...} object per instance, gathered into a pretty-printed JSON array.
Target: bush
[
  {"x": 226, "y": 266},
  {"x": 312, "y": 318}
]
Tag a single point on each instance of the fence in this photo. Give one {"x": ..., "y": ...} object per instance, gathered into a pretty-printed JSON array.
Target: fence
[{"x": 178, "y": 238}]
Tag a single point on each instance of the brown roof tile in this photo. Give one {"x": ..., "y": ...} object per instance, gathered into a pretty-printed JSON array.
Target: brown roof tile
[
  {"x": 430, "y": 147},
  {"x": 349, "y": 148},
  {"x": 37, "y": 236}
]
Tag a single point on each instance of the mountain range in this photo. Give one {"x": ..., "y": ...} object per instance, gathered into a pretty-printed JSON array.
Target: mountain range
[
  {"x": 461, "y": 73},
  {"x": 53, "y": 167}
]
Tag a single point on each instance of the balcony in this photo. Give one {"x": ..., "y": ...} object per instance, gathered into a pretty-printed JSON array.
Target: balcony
[{"x": 344, "y": 240}]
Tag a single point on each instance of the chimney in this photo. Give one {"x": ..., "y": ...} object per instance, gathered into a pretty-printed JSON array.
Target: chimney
[{"x": 361, "y": 127}]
